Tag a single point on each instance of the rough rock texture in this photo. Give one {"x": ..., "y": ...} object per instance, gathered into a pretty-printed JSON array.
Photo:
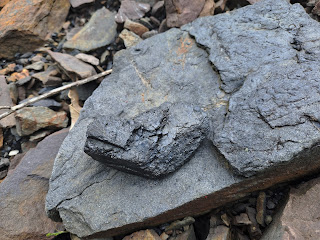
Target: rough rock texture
[
  {"x": 299, "y": 217},
  {"x": 153, "y": 144},
  {"x": 31, "y": 119},
  {"x": 181, "y": 12},
  {"x": 5, "y": 100},
  {"x": 248, "y": 118},
  {"x": 98, "y": 32},
  {"x": 276, "y": 96},
  {"x": 4, "y": 2},
  {"x": 75, "y": 68},
  {"x": 23, "y": 192},
  {"x": 26, "y": 23}
]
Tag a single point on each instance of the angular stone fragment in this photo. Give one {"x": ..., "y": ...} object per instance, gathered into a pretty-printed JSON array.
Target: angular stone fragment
[
  {"x": 135, "y": 27},
  {"x": 152, "y": 144},
  {"x": 170, "y": 67},
  {"x": 31, "y": 119},
  {"x": 182, "y": 11},
  {"x": 44, "y": 77},
  {"x": 88, "y": 58},
  {"x": 132, "y": 10},
  {"x": 98, "y": 32},
  {"x": 72, "y": 66},
  {"x": 298, "y": 218},
  {"x": 25, "y": 24},
  {"x": 5, "y": 100},
  {"x": 129, "y": 38},
  {"x": 22, "y": 193},
  {"x": 77, "y": 3}
]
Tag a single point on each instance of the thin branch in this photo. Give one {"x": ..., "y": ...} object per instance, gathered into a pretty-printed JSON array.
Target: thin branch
[
  {"x": 5, "y": 107},
  {"x": 53, "y": 92}
]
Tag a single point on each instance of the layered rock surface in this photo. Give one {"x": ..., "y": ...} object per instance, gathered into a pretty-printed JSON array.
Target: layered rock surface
[
  {"x": 25, "y": 24},
  {"x": 23, "y": 193},
  {"x": 253, "y": 71}
]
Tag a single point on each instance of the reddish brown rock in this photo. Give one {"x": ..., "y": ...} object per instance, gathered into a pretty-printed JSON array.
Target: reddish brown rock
[
  {"x": 148, "y": 234},
  {"x": 5, "y": 100},
  {"x": 299, "y": 217},
  {"x": 31, "y": 119},
  {"x": 8, "y": 69},
  {"x": 25, "y": 24},
  {"x": 316, "y": 9},
  {"x": 132, "y": 10},
  {"x": 22, "y": 193},
  {"x": 3, "y": 3},
  {"x": 208, "y": 8},
  {"x": 182, "y": 11},
  {"x": 135, "y": 27},
  {"x": 75, "y": 68}
]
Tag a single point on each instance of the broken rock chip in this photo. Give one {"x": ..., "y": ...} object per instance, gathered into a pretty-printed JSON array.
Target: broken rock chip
[
  {"x": 129, "y": 38},
  {"x": 153, "y": 144},
  {"x": 181, "y": 12},
  {"x": 77, "y": 3},
  {"x": 31, "y": 119},
  {"x": 98, "y": 32},
  {"x": 25, "y": 24},
  {"x": 132, "y": 10},
  {"x": 72, "y": 66}
]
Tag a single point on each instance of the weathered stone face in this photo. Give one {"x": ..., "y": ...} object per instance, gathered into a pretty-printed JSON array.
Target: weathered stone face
[
  {"x": 153, "y": 144},
  {"x": 25, "y": 24},
  {"x": 254, "y": 72},
  {"x": 268, "y": 61}
]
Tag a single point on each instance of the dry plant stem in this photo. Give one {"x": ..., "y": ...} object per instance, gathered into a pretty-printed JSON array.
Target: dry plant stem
[{"x": 53, "y": 92}]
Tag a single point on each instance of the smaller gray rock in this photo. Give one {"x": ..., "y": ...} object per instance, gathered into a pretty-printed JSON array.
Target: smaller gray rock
[
  {"x": 153, "y": 144},
  {"x": 100, "y": 31}
]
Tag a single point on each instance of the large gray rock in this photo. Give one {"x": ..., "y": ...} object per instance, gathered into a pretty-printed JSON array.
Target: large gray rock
[
  {"x": 259, "y": 103},
  {"x": 153, "y": 144},
  {"x": 269, "y": 61}
]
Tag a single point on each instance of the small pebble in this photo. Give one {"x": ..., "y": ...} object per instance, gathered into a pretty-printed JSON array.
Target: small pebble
[{"x": 13, "y": 153}]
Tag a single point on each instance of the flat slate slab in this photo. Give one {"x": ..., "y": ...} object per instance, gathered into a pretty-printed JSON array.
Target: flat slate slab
[{"x": 260, "y": 93}]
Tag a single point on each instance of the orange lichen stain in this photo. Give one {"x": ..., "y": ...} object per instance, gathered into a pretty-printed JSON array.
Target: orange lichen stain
[
  {"x": 142, "y": 97},
  {"x": 184, "y": 48},
  {"x": 17, "y": 76}
]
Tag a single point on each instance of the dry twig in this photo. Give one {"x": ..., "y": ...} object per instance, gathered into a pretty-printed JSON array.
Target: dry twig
[{"x": 52, "y": 92}]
